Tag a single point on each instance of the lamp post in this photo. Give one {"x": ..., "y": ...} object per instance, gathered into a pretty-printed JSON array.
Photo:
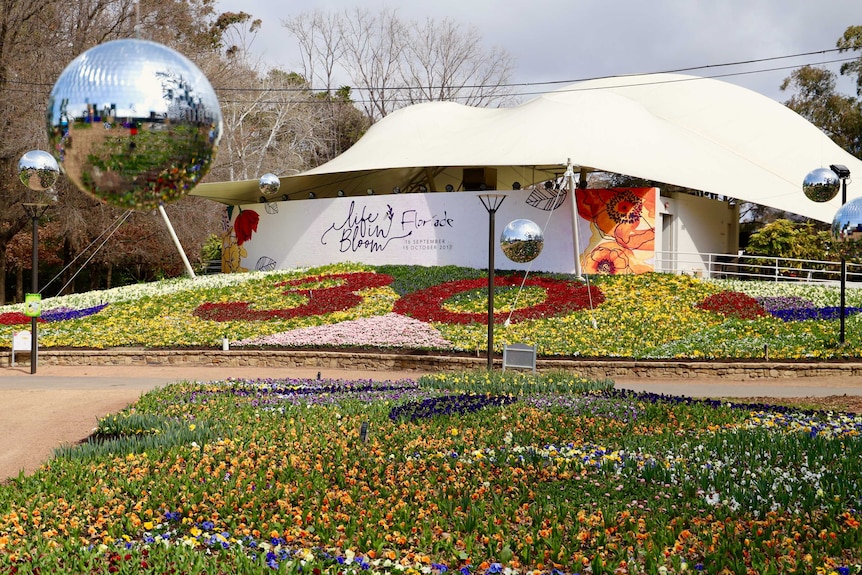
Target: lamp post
[
  {"x": 492, "y": 203},
  {"x": 38, "y": 171},
  {"x": 821, "y": 185}
]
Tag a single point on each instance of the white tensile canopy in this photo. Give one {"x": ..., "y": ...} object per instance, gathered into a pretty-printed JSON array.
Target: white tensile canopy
[{"x": 697, "y": 133}]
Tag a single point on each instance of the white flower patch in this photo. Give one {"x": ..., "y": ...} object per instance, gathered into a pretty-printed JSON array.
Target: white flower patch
[{"x": 389, "y": 330}]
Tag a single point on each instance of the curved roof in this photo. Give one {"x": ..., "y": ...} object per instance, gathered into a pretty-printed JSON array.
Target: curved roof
[{"x": 693, "y": 132}]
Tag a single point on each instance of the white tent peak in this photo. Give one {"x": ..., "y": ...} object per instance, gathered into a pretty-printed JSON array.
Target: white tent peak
[{"x": 698, "y": 133}]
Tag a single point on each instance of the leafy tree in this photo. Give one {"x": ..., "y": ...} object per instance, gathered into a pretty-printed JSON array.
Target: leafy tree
[
  {"x": 816, "y": 99},
  {"x": 852, "y": 41},
  {"x": 785, "y": 239}
]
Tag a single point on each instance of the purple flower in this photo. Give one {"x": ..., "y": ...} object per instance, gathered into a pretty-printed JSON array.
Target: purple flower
[{"x": 64, "y": 313}]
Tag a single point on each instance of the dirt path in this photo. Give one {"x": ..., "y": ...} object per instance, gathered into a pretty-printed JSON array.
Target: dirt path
[{"x": 33, "y": 423}]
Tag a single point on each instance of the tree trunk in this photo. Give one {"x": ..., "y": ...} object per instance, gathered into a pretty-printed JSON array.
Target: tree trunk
[
  {"x": 3, "y": 273},
  {"x": 19, "y": 283},
  {"x": 68, "y": 274}
]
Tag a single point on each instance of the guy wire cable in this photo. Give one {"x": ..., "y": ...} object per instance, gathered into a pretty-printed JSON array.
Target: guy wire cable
[{"x": 115, "y": 225}]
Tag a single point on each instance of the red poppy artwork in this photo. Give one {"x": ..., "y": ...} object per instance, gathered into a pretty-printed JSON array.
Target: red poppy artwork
[
  {"x": 245, "y": 225},
  {"x": 622, "y": 230}
]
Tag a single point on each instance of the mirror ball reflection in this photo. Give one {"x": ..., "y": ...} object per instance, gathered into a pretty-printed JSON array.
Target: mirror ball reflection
[
  {"x": 522, "y": 241},
  {"x": 847, "y": 230},
  {"x": 269, "y": 184},
  {"x": 38, "y": 170},
  {"x": 821, "y": 185},
  {"x": 133, "y": 123}
]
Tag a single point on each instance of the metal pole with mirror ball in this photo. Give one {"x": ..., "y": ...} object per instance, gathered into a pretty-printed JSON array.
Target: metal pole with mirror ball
[
  {"x": 38, "y": 171},
  {"x": 492, "y": 203},
  {"x": 821, "y": 185},
  {"x": 135, "y": 125}
]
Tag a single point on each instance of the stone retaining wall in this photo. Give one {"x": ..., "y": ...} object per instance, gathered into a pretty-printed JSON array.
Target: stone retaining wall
[{"x": 430, "y": 363}]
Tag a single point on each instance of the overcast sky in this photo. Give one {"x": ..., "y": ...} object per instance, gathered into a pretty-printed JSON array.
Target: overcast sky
[{"x": 555, "y": 40}]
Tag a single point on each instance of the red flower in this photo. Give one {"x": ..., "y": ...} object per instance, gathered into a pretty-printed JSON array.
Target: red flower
[
  {"x": 320, "y": 301},
  {"x": 733, "y": 304},
  {"x": 245, "y": 225},
  {"x": 562, "y": 297}
]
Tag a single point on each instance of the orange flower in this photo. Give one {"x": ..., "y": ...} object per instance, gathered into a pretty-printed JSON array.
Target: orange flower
[
  {"x": 607, "y": 258},
  {"x": 608, "y": 209}
]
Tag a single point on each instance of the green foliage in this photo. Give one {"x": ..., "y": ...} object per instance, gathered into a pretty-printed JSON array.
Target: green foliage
[
  {"x": 512, "y": 382},
  {"x": 211, "y": 250},
  {"x": 817, "y": 100},
  {"x": 785, "y": 239},
  {"x": 408, "y": 279},
  {"x": 852, "y": 41},
  {"x": 135, "y": 432}
]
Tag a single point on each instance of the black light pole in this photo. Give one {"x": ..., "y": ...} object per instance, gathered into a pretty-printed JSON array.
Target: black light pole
[
  {"x": 35, "y": 211},
  {"x": 843, "y": 173},
  {"x": 38, "y": 171},
  {"x": 491, "y": 202}
]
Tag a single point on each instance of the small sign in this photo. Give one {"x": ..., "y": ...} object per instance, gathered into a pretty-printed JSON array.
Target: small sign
[
  {"x": 519, "y": 355},
  {"x": 33, "y": 305},
  {"x": 363, "y": 432},
  {"x": 21, "y": 341}
]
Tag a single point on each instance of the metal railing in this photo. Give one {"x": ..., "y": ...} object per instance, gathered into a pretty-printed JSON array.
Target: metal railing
[{"x": 754, "y": 267}]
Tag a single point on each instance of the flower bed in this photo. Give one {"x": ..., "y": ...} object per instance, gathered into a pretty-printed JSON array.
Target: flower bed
[
  {"x": 646, "y": 316},
  {"x": 476, "y": 473}
]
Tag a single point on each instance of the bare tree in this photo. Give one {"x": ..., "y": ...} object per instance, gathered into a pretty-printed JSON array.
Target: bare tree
[
  {"x": 373, "y": 46},
  {"x": 445, "y": 61},
  {"x": 274, "y": 122},
  {"x": 393, "y": 63},
  {"x": 268, "y": 128},
  {"x": 321, "y": 43}
]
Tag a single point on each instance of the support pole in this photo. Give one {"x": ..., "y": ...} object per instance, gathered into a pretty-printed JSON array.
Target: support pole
[
  {"x": 177, "y": 243},
  {"x": 570, "y": 181}
]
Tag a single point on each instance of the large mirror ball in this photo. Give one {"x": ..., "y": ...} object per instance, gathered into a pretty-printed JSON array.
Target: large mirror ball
[
  {"x": 522, "y": 241},
  {"x": 847, "y": 230},
  {"x": 134, "y": 123}
]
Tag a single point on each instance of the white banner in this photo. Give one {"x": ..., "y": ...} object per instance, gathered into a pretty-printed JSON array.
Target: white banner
[{"x": 433, "y": 229}]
